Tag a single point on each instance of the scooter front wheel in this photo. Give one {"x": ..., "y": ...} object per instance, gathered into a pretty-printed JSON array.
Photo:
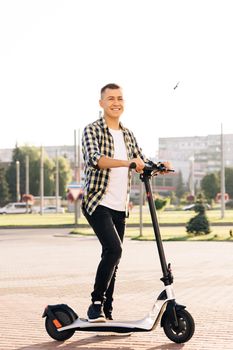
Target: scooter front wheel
[
  {"x": 185, "y": 329},
  {"x": 65, "y": 319}
]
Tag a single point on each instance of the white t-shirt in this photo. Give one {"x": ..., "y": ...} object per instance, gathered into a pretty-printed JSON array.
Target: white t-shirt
[{"x": 116, "y": 194}]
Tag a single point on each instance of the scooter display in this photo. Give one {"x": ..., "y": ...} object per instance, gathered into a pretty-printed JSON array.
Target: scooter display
[{"x": 61, "y": 321}]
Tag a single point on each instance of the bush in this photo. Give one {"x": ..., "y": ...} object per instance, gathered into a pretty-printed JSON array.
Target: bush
[
  {"x": 160, "y": 203},
  {"x": 229, "y": 204},
  {"x": 198, "y": 224}
]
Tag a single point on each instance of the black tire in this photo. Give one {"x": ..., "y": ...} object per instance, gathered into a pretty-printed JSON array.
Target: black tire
[
  {"x": 65, "y": 319},
  {"x": 185, "y": 329}
]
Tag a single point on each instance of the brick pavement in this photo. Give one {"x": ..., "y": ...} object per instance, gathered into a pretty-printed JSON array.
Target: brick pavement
[{"x": 40, "y": 267}]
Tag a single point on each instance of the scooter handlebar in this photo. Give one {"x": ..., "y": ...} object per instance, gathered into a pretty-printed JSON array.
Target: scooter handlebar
[{"x": 157, "y": 168}]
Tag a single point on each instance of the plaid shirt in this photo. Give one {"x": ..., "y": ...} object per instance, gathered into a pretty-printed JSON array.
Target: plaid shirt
[{"x": 97, "y": 141}]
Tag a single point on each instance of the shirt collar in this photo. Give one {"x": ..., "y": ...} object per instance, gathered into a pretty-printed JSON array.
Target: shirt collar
[{"x": 103, "y": 124}]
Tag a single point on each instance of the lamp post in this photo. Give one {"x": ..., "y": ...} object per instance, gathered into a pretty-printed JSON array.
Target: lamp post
[
  {"x": 27, "y": 177},
  {"x": 222, "y": 176},
  {"x": 27, "y": 174},
  {"x": 140, "y": 209},
  {"x": 77, "y": 177},
  {"x": 57, "y": 180},
  {"x": 41, "y": 180},
  {"x": 191, "y": 181},
  {"x": 17, "y": 163}
]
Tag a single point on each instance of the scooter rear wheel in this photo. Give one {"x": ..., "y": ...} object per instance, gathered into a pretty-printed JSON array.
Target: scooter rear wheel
[
  {"x": 65, "y": 319},
  {"x": 185, "y": 329}
]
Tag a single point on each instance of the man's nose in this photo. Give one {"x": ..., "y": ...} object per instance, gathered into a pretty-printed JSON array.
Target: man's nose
[{"x": 116, "y": 101}]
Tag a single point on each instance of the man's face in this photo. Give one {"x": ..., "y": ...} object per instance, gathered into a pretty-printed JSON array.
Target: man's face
[{"x": 112, "y": 103}]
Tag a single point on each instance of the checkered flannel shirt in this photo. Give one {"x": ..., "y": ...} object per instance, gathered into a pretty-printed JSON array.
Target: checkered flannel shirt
[{"x": 97, "y": 141}]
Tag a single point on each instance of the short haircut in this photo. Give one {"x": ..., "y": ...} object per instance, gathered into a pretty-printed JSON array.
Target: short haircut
[{"x": 111, "y": 86}]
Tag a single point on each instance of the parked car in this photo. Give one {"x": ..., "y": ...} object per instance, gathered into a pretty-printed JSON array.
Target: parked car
[
  {"x": 16, "y": 208},
  {"x": 49, "y": 209},
  {"x": 53, "y": 209}
]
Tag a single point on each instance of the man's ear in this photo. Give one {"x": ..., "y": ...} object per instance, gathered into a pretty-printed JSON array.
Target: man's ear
[{"x": 101, "y": 103}]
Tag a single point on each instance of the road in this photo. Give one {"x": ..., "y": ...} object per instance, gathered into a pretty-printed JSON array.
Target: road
[{"x": 49, "y": 266}]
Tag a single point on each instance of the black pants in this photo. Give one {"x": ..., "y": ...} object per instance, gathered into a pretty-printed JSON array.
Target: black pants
[{"x": 109, "y": 227}]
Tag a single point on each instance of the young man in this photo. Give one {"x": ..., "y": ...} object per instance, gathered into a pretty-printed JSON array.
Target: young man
[{"x": 108, "y": 150}]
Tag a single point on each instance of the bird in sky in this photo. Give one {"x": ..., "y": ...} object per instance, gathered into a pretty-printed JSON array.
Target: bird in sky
[{"x": 176, "y": 85}]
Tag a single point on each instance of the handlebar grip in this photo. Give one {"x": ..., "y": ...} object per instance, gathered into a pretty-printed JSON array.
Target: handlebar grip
[
  {"x": 161, "y": 167},
  {"x": 133, "y": 165}
]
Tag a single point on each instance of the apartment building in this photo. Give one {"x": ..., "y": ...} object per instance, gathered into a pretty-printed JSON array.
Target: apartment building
[{"x": 197, "y": 155}]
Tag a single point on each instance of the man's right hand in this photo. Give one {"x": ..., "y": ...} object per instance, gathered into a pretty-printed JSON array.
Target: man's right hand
[{"x": 139, "y": 164}]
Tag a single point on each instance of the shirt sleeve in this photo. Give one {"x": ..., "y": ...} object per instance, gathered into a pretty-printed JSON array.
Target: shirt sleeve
[{"x": 90, "y": 146}]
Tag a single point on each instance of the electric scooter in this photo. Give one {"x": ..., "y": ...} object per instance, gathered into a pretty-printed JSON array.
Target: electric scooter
[{"x": 61, "y": 321}]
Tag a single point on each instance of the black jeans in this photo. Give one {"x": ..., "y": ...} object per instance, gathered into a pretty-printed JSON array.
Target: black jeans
[{"x": 109, "y": 227}]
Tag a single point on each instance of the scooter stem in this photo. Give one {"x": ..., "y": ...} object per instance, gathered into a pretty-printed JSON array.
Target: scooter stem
[{"x": 166, "y": 269}]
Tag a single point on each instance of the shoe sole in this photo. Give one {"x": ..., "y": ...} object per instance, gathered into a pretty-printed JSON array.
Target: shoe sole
[{"x": 96, "y": 320}]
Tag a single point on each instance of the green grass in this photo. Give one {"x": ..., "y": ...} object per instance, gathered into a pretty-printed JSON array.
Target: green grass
[
  {"x": 218, "y": 233},
  {"x": 180, "y": 216},
  {"x": 37, "y": 220},
  {"x": 164, "y": 217}
]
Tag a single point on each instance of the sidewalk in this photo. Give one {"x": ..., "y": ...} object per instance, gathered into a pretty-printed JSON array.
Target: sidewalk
[{"x": 40, "y": 267}]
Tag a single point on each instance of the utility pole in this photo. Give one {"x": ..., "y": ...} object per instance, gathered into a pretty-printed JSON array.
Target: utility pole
[{"x": 222, "y": 176}]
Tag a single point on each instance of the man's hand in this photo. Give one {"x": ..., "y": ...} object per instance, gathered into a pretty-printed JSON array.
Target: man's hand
[
  {"x": 167, "y": 167},
  {"x": 139, "y": 164}
]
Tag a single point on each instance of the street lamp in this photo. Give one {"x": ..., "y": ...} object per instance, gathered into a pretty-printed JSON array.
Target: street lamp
[
  {"x": 222, "y": 175},
  {"x": 17, "y": 163},
  {"x": 191, "y": 178}
]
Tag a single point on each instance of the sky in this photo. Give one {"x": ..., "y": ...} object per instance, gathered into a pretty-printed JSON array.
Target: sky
[{"x": 55, "y": 55}]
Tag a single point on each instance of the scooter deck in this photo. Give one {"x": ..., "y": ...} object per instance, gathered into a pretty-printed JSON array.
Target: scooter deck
[{"x": 81, "y": 324}]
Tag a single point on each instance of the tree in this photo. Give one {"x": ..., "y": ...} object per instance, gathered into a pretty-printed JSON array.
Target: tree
[
  {"x": 34, "y": 172},
  {"x": 19, "y": 154},
  {"x": 229, "y": 181},
  {"x": 180, "y": 189},
  {"x": 210, "y": 185},
  {"x": 11, "y": 172},
  {"x": 64, "y": 175},
  {"x": 49, "y": 178},
  {"x": 4, "y": 188}
]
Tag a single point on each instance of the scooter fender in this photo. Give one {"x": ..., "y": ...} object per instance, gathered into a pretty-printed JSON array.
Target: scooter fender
[
  {"x": 170, "y": 312},
  {"x": 49, "y": 311}
]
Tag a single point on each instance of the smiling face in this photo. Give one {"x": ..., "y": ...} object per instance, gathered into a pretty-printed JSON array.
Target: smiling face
[{"x": 112, "y": 103}]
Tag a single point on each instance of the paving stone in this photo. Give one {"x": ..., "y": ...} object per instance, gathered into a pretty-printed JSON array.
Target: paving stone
[{"x": 40, "y": 267}]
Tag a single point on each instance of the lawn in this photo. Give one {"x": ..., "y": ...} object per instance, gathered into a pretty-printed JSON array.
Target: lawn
[
  {"x": 218, "y": 233},
  {"x": 46, "y": 220},
  {"x": 165, "y": 217},
  {"x": 179, "y": 216}
]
